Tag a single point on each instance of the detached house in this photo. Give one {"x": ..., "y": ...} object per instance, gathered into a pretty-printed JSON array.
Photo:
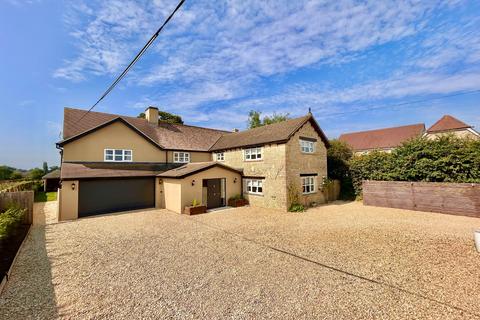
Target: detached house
[{"x": 114, "y": 163}]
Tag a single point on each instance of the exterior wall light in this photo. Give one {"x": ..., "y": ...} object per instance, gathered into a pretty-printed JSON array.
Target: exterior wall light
[
  {"x": 193, "y": 182},
  {"x": 235, "y": 180},
  {"x": 73, "y": 186}
]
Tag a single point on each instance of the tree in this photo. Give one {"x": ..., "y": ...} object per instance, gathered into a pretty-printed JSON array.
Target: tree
[
  {"x": 45, "y": 167},
  {"x": 35, "y": 174},
  {"x": 166, "y": 117},
  {"x": 338, "y": 156},
  {"x": 254, "y": 120},
  {"x": 6, "y": 172}
]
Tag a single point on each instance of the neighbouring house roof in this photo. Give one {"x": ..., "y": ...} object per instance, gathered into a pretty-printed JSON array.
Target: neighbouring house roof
[
  {"x": 447, "y": 123},
  {"x": 164, "y": 135},
  {"x": 273, "y": 133},
  {"x": 382, "y": 138},
  {"x": 55, "y": 174},
  {"x": 83, "y": 170},
  {"x": 192, "y": 168}
]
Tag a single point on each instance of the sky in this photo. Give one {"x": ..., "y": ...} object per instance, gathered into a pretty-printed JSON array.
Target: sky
[{"x": 358, "y": 65}]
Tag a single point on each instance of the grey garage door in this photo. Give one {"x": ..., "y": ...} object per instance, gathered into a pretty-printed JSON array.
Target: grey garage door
[{"x": 111, "y": 195}]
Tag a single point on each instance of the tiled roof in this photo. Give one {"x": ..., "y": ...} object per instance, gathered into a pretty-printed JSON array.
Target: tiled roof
[
  {"x": 55, "y": 174},
  {"x": 382, "y": 138},
  {"x": 184, "y": 137},
  {"x": 192, "y": 168},
  {"x": 446, "y": 123},
  {"x": 165, "y": 135},
  {"x": 79, "y": 170},
  {"x": 277, "y": 132}
]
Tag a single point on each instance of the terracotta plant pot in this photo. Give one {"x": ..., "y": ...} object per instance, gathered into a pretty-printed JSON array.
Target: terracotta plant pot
[
  {"x": 237, "y": 202},
  {"x": 195, "y": 210}
]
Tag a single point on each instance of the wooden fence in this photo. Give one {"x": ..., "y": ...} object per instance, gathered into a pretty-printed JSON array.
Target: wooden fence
[
  {"x": 452, "y": 198},
  {"x": 14, "y": 186},
  {"x": 24, "y": 199}
]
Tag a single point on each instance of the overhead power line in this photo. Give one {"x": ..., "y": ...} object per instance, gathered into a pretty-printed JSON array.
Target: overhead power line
[{"x": 137, "y": 57}]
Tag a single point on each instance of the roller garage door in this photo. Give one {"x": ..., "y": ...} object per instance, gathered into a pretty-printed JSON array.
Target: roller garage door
[{"x": 111, "y": 195}]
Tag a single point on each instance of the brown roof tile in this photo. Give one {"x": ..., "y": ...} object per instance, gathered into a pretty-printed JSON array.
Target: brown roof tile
[
  {"x": 78, "y": 170},
  {"x": 192, "y": 168},
  {"x": 165, "y": 135},
  {"x": 446, "y": 123},
  {"x": 382, "y": 138},
  {"x": 55, "y": 174},
  {"x": 277, "y": 132}
]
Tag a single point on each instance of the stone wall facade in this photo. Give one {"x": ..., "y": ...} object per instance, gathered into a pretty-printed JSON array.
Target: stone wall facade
[
  {"x": 300, "y": 163},
  {"x": 281, "y": 167},
  {"x": 462, "y": 134}
]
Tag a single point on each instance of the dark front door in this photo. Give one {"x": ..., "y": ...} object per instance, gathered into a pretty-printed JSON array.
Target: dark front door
[
  {"x": 111, "y": 195},
  {"x": 214, "y": 193}
]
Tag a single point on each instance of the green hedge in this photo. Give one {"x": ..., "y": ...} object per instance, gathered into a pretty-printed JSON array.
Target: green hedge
[
  {"x": 10, "y": 220},
  {"x": 446, "y": 159}
]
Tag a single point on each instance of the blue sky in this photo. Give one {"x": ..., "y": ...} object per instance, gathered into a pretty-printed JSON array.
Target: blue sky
[{"x": 350, "y": 61}]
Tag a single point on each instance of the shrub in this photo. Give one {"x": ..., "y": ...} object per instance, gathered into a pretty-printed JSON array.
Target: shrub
[
  {"x": 338, "y": 157},
  {"x": 10, "y": 220},
  {"x": 236, "y": 197},
  {"x": 195, "y": 203},
  {"x": 445, "y": 159},
  {"x": 296, "y": 207}
]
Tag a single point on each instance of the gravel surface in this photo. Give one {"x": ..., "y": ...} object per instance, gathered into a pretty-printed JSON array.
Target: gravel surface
[
  {"x": 45, "y": 212},
  {"x": 335, "y": 261}
]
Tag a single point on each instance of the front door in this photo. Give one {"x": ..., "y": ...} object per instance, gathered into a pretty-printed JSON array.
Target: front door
[{"x": 214, "y": 194}]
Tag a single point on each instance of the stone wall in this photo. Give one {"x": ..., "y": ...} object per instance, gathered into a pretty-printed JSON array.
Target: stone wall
[
  {"x": 305, "y": 163},
  {"x": 272, "y": 168},
  {"x": 462, "y": 134}
]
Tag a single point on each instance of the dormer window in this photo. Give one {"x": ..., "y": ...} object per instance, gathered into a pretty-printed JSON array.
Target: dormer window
[{"x": 117, "y": 155}]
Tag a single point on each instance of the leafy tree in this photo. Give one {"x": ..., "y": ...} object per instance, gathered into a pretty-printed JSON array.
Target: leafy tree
[
  {"x": 45, "y": 167},
  {"x": 254, "y": 120},
  {"x": 53, "y": 168},
  {"x": 166, "y": 117},
  {"x": 338, "y": 157},
  {"x": 35, "y": 174},
  {"x": 6, "y": 172},
  {"x": 16, "y": 175}
]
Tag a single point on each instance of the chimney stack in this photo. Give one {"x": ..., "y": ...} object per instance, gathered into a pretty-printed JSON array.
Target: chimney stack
[{"x": 151, "y": 114}]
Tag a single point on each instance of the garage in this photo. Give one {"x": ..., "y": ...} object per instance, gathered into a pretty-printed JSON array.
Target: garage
[{"x": 98, "y": 196}]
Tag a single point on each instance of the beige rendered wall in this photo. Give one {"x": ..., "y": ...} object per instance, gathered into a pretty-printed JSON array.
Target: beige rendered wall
[
  {"x": 180, "y": 192},
  {"x": 68, "y": 201},
  {"x": 194, "y": 156},
  {"x": 272, "y": 167},
  {"x": 115, "y": 136},
  {"x": 463, "y": 134},
  {"x": 304, "y": 163},
  {"x": 173, "y": 194}
]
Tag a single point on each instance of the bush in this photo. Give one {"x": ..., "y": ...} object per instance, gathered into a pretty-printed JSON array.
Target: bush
[
  {"x": 296, "y": 207},
  {"x": 236, "y": 197},
  {"x": 338, "y": 157},
  {"x": 10, "y": 220},
  {"x": 446, "y": 159}
]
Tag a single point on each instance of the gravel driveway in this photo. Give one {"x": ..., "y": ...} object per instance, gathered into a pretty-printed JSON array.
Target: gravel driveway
[{"x": 335, "y": 261}]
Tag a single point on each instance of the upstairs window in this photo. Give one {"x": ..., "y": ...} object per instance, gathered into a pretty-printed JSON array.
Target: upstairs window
[
  {"x": 118, "y": 155},
  {"x": 307, "y": 146},
  {"x": 252, "y": 154},
  {"x": 181, "y": 157},
  {"x": 254, "y": 186},
  {"x": 219, "y": 156},
  {"x": 308, "y": 184}
]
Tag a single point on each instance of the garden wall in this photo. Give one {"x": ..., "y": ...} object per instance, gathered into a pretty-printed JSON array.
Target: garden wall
[
  {"x": 24, "y": 199},
  {"x": 452, "y": 198}
]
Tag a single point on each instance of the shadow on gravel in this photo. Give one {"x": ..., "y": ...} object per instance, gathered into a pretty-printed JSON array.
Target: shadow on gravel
[{"x": 29, "y": 293}]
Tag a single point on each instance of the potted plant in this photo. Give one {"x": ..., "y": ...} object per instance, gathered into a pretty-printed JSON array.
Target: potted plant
[
  {"x": 195, "y": 208},
  {"x": 237, "y": 201}
]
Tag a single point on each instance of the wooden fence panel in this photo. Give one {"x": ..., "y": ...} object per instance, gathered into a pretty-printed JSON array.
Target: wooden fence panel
[
  {"x": 24, "y": 199},
  {"x": 452, "y": 198}
]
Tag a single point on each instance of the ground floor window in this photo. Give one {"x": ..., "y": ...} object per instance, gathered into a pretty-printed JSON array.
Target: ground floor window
[
  {"x": 308, "y": 184},
  {"x": 253, "y": 186}
]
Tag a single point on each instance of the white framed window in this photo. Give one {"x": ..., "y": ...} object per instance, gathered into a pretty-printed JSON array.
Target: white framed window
[
  {"x": 181, "y": 157},
  {"x": 252, "y": 154},
  {"x": 117, "y": 155},
  {"x": 253, "y": 186},
  {"x": 307, "y": 146},
  {"x": 308, "y": 184},
  {"x": 219, "y": 156}
]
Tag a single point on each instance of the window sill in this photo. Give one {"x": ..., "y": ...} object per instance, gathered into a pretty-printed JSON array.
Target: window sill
[
  {"x": 259, "y": 160},
  {"x": 307, "y": 194},
  {"x": 254, "y": 194}
]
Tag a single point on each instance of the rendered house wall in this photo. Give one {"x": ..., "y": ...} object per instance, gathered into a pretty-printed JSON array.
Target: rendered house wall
[{"x": 68, "y": 200}]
